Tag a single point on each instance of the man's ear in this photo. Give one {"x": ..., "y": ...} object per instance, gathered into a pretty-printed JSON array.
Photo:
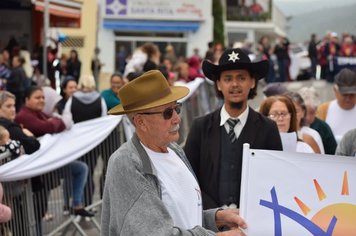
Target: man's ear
[
  {"x": 218, "y": 85},
  {"x": 139, "y": 123},
  {"x": 254, "y": 83}
]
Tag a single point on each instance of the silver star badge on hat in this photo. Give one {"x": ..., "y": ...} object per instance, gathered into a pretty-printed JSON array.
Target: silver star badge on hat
[{"x": 233, "y": 56}]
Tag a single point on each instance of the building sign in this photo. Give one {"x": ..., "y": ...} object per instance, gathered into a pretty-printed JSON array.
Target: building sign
[
  {"x": 184, "y": 10},
  {"x": 289, "y": 193}
]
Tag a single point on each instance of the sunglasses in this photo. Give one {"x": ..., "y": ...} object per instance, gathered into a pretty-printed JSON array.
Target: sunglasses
[{"x": 167, "y": 113}]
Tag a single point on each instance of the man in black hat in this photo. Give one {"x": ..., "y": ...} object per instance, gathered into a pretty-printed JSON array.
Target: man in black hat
[{"x": 214, "y": 144}]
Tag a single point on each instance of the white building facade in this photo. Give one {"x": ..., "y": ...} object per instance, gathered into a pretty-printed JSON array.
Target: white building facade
[
  {"x": 249, "y": 20},
  {"x": 126, "y": 24}
]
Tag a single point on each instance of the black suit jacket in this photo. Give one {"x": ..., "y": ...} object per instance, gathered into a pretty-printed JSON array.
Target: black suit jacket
[{"x": 203, "y": 148}]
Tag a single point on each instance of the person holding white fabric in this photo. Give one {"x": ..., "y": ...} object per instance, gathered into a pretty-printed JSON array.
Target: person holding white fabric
[
  {"x": 32, "y": 117},
  {"x": 51, "y": 106},
  {"x": 75, "y": 173},
  {"x": 85, "y": 104},
  {"x": 150, "y": 188},
  {"x": 30, "y": 144}
]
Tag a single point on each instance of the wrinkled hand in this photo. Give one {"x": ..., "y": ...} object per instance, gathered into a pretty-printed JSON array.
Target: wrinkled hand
[{"x": 229, "y": 218}]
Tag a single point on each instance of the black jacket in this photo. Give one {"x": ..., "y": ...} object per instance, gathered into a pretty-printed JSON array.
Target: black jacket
[
  {"x": 203, "y": 149},
  {"x": 30, "y": 144}
]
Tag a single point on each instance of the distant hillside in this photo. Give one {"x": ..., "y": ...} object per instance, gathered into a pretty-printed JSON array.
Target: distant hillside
[
  {"x": 292, "y": 8},
  {"x": 298, "y": 7},
  {"x": 337, "y": 19}
]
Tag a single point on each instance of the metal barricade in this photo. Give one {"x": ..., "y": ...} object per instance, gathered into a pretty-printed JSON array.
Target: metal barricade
[{"x": 18, "y": 196}]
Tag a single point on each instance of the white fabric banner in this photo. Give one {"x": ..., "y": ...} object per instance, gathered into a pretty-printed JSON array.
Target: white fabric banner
[
  {"x": 60, "y": 149},
  {"x": 192, "y": 86},
  {"x": 289, "y": 193}
]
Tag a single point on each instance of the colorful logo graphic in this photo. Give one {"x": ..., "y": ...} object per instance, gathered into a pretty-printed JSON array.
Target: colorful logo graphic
[
  {"x": 337, "y": 219},
  {"x": 116, "y": 7}
]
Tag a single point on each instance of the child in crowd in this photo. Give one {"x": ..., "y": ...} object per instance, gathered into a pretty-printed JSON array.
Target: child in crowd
[
  {"x": 6, "y": 144},
  {"x": 9, "y": 150}
]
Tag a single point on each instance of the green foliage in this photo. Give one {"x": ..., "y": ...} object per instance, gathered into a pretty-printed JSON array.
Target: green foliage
[{"x": 219, "y": 36}]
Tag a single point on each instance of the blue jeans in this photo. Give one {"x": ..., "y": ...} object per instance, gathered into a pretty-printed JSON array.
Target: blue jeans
[
  {"x": 271, "y": 77},
  {"x": 282, "y": 68},
  {"x": 314, "y": 63},
  {"x": 75, "y": 182}
]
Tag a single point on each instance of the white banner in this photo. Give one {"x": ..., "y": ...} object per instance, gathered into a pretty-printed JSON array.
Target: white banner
[
  {"x": 60, "y": 149},
  {"x": 293, "y": 194},
  {"x": 177, "y": 10}
]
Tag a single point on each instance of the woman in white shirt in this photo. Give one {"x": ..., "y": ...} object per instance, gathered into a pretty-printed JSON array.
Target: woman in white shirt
[{"x": 281, "y": 109}]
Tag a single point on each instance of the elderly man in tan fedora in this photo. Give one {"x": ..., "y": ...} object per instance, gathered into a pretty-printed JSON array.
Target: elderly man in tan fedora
[{"x": 150, "y": 188}]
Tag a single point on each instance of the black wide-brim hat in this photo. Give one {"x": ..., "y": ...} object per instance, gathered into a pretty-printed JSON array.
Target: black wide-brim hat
[{"x": 235, "y": 59}]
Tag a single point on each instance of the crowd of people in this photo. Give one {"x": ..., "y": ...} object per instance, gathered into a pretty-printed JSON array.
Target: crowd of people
[
  {"x": 173, "y": 190},
  {"x": 30, "y": 107},
  {"x": 323, "y": 52},
  {"x": 153, "y": 185}
]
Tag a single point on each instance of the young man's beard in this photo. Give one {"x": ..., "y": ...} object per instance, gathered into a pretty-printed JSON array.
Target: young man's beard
[{"x": 236, "y": 105}]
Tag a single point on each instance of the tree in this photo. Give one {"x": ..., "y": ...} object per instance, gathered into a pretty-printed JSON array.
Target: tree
[{"x": 219, "y": 35}]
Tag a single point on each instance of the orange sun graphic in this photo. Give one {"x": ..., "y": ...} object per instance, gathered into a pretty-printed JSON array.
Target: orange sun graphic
[{"x": 345, "y": 213}]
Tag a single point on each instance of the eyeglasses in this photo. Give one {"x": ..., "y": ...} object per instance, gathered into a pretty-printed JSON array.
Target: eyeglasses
[
  {"x": 167, "y": 113},
  {"x": 277, "y": 115}
]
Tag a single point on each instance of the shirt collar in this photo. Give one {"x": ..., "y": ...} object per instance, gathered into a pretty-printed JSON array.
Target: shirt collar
[{"x": 224, "y": 116}]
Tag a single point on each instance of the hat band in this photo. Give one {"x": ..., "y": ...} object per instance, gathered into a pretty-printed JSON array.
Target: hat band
[{"x": 147, "y": 100}]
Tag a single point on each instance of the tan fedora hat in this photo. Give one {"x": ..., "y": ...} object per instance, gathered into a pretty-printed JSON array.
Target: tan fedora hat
[{"x": 147, "y": 91}]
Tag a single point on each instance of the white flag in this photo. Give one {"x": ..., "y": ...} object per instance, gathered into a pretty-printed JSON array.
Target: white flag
[{"x": 298, "y": 194}]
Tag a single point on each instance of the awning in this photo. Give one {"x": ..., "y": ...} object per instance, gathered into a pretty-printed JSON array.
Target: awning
[
  {"x": 157, "y": 26},
  {"x": 61, "y": 8}
]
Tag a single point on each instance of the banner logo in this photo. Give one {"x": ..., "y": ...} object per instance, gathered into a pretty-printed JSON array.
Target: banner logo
[{"x": 336, "y": 219}]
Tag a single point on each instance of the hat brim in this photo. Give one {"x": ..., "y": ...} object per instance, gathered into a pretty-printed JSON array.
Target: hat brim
[
  {"x": 258, "y": 69},
  {"x": 177, "y": 93},
  {"x": 347, "y": 90}
]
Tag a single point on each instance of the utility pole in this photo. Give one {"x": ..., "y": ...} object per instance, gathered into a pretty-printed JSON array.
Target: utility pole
[{"x": 45, "y": 31}]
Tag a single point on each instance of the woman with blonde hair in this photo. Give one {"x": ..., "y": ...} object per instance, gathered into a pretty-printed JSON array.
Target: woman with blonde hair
[{"x": 87, "y": 97}]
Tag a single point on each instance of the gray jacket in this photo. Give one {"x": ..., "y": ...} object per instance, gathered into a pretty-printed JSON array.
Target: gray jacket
[
  {"x": 347, "y": 145},
  {"x": 132, "y": 203}
]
